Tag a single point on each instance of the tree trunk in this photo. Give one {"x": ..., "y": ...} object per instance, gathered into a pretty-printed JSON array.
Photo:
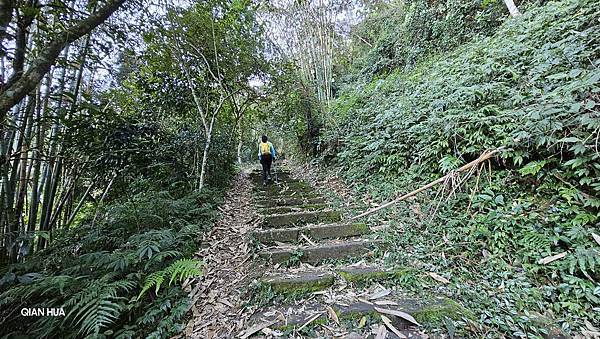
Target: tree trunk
[
  {"x": 240, "y": 141},
  {"x": 80, "y": 204},
  {"x": 6, "y": 12},
  {"x": 36, "y": 160},
  {"x": 24, "y": 21},
  {"x": 204, "y": 160},
  {"x": 23, "y": 168},
  {"x": 11, "y": 184}
]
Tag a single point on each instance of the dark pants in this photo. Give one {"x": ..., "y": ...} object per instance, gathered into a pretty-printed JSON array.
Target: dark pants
[{"x": 266, "y": 160}]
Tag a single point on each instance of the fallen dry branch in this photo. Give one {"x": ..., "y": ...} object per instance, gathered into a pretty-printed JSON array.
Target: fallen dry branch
[{"x": 483, "y": 157}]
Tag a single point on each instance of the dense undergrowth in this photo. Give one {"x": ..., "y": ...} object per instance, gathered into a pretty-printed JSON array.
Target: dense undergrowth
[
  {"x": 532, "y": 87},
  {"x": 420, "y": 28},
  {"x": 117, "y": 271},
  {"x": 97, "y": 272}
]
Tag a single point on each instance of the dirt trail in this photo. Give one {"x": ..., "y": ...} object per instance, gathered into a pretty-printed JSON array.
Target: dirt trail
[{"x": 218, "y": 295}]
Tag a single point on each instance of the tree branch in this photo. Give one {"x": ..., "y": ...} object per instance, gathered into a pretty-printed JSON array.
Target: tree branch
[{"x": 13, "y": 94}]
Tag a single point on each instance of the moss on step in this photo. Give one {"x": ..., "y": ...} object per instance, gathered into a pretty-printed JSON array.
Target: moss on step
[
  {"x": 434, "y": 314},
  {"x": 289, "y": 201},
  {"x": 303, "y": 217},
  {"x": 295, "y": 208},
  {"x": 360, "y": 275},
  {"x": 360, "y": 227},
  {"x": 301, "y": 286},
  {"x": 283, "y": 189}
]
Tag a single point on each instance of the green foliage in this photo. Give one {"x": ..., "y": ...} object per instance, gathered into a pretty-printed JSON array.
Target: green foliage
[
  {"x": 532, "y": 168},
  {"x": 532, "y": 87},
  {"x": 401, "y": 33},
  {"x": 418, "y": 120},
  {"x": 96, "y": 306},
  {"x": 117, "y": 267},
  {"x": 178, "y": 271},
  {"x": 100, "y": 274}
]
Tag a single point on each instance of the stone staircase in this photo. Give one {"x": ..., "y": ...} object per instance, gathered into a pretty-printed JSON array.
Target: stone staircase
[
  {"x": 299, "y": 226},
  {"x": 294, "y": 213}
]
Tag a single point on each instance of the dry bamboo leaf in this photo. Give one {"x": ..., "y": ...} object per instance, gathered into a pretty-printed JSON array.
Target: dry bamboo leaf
[
  {"x": 333, "y": 315},
  {"x": 307, "y": 239},
  {"x": 397, "y": 313},
  {"x": 391, "y": 327},
  {"x": 313, "y": 318},
  {"x": 596, "y": 237},
  {"x": 552, "y": 258},
  {"x": 211, "y": 333},
  {"x": 380, "y": 294},
  {"x": 438, "y": 277},
  {"x": 590, "y": 326},
  {"x": 247, "y": 333},
  {"x": 590, "y": 334},
  {"x": 381, "y": 333},
  {"x": 189, "y": 330},
  {"x": 364, "y": 301},
  {"x": 226, "y": 302}
]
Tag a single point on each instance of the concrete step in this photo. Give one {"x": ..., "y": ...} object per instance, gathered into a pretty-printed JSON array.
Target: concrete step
[
  {"x": 426, "y": 312},
  {"x": 290, "y": 209},
  {"x": 278, "y": 168},
  {"x": 273, "y": 191},
  {"x": 299, "y": 282},
  {"x": 320, "y": 252},
  {"x": 258, "y": 182},
  {"x": 316, "y": 232},
  {"x": 258, "y": 185},
  {"x": 257, "y": 177},
  {"x": 300, "y": 218},
  {"x": 289, "y": 201},
  {"x": 359, "y": 274}
]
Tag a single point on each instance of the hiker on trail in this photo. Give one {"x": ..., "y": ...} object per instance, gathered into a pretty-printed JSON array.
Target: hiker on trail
[{"x": 266, "y": 155}]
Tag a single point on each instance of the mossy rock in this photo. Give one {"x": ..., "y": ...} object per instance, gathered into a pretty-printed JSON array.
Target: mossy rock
[{"x": 269, "y": 199}]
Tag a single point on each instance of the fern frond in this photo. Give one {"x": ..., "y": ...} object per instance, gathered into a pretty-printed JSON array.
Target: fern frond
[
  {"x": 177, "y": 271},
  {"x": 183, "y": 269},
  {"x": 96, "y": 305},
  {"x": 584, "y": 260},
  {"x": 531, "y": 240},
  {"x": 162, "y": 256},
  {"x": 154, "y": 279},
  {"x": 52, "y": 285}
]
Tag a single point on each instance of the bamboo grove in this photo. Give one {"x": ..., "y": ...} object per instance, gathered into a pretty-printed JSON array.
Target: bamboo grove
[{"x": 48, "y": 67}]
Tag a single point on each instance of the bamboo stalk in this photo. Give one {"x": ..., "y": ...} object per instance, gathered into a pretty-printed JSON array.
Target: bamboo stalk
[{"x": 483, "y": 157}]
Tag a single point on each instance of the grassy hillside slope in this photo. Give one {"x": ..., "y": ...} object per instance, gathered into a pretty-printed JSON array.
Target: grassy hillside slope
[{"x": 533, "y": 88}]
